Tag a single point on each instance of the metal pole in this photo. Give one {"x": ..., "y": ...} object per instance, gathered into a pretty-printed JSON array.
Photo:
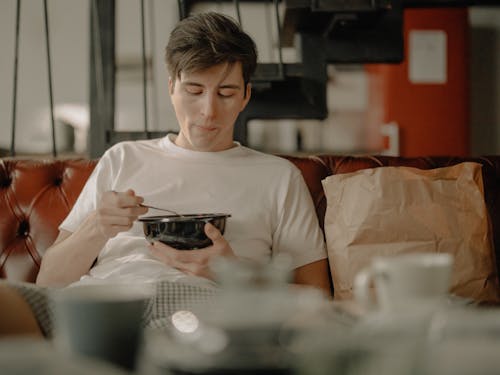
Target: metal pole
[
  {"x": 183, "y": 11},
  {"x": 280, "y": 55},
  {"x": 102, "y": 76},
  {"x": 97, "y": 51},
  {"x": 152, "y": 48},
  {"x": 14, "y": 92},
  {"x": 144, "y": 71},
  {"x": 49, "y": 70},
  {"x": 238, "y": 13}
]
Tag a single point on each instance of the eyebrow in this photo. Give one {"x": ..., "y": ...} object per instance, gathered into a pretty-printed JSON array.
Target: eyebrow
[
  {"x": 228, "y": 86},
  {"x": 188, "y": 83}
]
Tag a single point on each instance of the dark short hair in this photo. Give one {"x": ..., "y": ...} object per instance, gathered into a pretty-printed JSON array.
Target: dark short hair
[{"x": 203, "y": 40}]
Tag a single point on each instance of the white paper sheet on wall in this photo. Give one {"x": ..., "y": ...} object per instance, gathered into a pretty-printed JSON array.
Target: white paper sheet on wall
[{"x": 427, "y": 57}]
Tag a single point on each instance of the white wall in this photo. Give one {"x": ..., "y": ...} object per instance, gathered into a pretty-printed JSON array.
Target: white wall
[
  {"x": 129, "y": 89},
  {"x": 69, "y": 33},
  {"x": 68, "y": 19}
]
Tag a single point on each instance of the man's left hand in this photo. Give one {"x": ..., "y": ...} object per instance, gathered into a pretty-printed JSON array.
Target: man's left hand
[{"x": 194, "y": 262}]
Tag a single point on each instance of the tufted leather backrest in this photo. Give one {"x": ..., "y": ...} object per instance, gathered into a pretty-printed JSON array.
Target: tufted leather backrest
[{"x": 35, "y": 196}]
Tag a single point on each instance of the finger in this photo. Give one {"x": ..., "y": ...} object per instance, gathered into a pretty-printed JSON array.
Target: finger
[
  {"x": 213, "y": 233},
  {"x": 167, "y": 255},
  {"x": 159, "y": 253},
  {"x": 132, "y": 212},
  {"x": 118, "y": 220},
  {"x": 193, "y": 269},
  {"x": 160, "y": 246},
  {"x": 128, "y": 212},
  {"x": 137, "y": 198},
  {"x": 197, "y": 266},
  {"x": 126, "y": 192},
  {"x": 184, "y": 256},
  {"x": 126, "y": 198},
  {"x": 117, "y": 228},
  {"x": 113, "y": 230},
  {"x": 219, "y": 244},
  {"x": 130, "y": 199}
]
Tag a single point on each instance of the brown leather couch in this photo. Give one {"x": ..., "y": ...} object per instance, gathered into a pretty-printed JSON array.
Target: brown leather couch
[{"x": 35, "y": 196}]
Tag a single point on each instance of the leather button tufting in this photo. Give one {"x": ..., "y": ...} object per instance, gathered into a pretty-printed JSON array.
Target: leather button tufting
[
  {"x": 5, "y": 182},
  {"x": 58, "y": 181},
  {"x": 24, "y": 229}
]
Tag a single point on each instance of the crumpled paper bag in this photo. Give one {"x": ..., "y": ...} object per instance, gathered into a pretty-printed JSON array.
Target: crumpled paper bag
[{"x": 393, "y": 210}]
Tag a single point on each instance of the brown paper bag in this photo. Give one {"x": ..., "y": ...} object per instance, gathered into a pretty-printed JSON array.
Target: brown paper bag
[{"x": 393, "y": 210}]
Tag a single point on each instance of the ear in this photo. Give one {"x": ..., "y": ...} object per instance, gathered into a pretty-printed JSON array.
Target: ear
[
  {"x": 248, "y": 94},
  {"x": 170, "y": 85}
]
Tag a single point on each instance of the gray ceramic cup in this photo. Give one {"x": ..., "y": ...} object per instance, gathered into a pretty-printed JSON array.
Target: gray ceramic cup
[
  {"x": 405, "y": 282},
  {"x": 102, "y": 321}
]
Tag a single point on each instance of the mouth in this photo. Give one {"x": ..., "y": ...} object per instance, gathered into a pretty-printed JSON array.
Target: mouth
[{"x": 206, "y": 128}]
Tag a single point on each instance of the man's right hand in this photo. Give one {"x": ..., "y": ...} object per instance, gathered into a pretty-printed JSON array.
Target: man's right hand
[
  {"x": 117, "y": 211},
  {"x": 73, "y": 253}
]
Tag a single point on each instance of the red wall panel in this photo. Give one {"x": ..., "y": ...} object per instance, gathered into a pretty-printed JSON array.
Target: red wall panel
[{"x": 433, "y": 118}]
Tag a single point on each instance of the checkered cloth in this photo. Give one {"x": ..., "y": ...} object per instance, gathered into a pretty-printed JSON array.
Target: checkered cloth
[{"x": 169, "y": 298}]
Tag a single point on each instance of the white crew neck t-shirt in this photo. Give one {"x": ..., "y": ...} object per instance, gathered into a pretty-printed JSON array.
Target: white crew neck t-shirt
[{"x": 270, "y": 206}]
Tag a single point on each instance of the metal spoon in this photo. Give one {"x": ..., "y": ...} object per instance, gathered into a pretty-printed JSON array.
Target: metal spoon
[
  {"x": 161, "y": 209},
  {"x": 157, "y": 208}
]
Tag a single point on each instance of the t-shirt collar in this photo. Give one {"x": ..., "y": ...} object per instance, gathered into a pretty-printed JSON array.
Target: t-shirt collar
[{"x": 169, "y": 143}]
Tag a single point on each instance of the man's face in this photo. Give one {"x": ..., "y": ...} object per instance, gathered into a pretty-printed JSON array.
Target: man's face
[{"x": 207, "y": 104}]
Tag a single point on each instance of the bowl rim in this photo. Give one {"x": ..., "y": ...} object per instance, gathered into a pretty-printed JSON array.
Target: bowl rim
[{"x": 181, "y": 218}]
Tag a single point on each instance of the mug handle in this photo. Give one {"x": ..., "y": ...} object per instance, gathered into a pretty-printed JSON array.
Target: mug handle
[{"x": 361, "y": 288}]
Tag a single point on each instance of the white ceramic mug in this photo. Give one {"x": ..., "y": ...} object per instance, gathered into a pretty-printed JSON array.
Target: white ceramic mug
[
  {"x": 102, "y": 321},
  {"x": 404, "y": 281}
]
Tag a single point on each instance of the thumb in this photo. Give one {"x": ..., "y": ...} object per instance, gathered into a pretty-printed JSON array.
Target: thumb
[
  {"x": 212, "y": 232},
  {"x": 131, "y": 193}
]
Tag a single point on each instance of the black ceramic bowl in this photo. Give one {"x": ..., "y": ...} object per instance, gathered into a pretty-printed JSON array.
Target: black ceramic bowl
[{"x": 183, "y": 232}]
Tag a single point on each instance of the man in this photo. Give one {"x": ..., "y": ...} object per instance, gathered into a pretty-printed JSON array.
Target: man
[{"x": 210, "y": 61}]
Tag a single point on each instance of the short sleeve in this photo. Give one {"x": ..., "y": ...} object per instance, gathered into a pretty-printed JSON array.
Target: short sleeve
[
  {"x": 100, "y": 180},
  {"x": 298, "y": 232}
]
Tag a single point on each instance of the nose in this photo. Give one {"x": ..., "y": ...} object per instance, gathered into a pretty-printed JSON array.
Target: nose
[{"x": 209, "y": 107}]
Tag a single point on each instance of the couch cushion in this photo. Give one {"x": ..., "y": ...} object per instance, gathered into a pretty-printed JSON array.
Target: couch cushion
[{"x": 391, "y": 210}]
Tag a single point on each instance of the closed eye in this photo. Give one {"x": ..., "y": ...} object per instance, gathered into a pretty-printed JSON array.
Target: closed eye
[
  {"x": 227, "y": 93},
  {"x": 193, "y": 90}
]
